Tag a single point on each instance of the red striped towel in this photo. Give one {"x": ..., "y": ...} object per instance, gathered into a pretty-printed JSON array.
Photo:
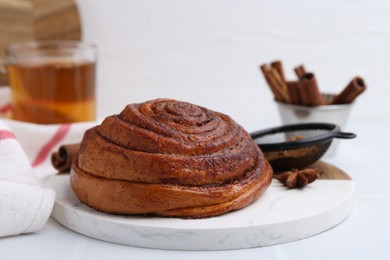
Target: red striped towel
[{"x": 25, "y": 151}]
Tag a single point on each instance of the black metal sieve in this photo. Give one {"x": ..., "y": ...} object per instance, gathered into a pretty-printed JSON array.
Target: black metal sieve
[{"x": 297, "y": 146}]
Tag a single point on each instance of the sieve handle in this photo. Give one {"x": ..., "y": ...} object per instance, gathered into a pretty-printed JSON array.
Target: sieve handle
[{"x": 345, "y": 135}]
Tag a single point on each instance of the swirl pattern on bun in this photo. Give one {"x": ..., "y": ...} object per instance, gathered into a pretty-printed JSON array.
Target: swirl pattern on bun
[{"x": 169, "y": 158}]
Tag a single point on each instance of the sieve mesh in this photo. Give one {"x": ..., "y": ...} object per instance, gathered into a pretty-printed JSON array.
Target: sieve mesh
[
  {"x": 297, "y": 146},
  {"x": 288, "y": 136}
]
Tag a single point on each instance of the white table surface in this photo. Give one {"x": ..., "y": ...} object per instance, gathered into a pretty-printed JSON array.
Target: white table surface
[
  {"x": 182, "y": 49},
  {"x": 365, "y": 234}
]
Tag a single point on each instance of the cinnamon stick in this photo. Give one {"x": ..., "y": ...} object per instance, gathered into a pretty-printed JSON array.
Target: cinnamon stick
[
  {"x": 273, "y": 81},
  {"x": 300, "y": 71},
  {"x": 303, "y": 95},
  {"x": 350, "y": 92},
  {"x": 62, "y": 159},
  {"x": 278, "y": 66},
  {"x": 272, "y": 85},
  {"x": 281, "y": 85},
  {"x": 293, "y": 92},
  {"x": 311, "y": 91}
]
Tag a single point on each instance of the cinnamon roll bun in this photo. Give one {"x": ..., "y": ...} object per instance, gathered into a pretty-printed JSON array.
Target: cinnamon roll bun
[{"x": 169, "y": 158}]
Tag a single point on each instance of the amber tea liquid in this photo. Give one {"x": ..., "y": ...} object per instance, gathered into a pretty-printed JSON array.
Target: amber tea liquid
[{"x": 53, "y": 92}]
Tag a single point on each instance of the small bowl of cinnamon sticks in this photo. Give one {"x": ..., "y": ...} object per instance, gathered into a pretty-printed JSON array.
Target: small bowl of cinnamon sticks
[{"x": 301, "y": 101}]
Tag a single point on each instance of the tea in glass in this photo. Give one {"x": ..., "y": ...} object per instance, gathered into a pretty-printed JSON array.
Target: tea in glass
[{"x": 52, "y": 82}]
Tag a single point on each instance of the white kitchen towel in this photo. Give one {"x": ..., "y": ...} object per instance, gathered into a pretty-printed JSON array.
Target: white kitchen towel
[
  {"x": 25, "y": 152},
  {"x": 24, "y": 205},
  {"x": 40, "y": 141}
]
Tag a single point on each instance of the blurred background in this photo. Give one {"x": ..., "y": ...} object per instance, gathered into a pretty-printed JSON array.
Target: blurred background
[{"x": 209, "y": 52}]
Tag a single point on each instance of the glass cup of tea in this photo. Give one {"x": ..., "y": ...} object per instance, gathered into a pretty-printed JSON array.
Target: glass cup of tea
[{"x": 52, "y": 82}]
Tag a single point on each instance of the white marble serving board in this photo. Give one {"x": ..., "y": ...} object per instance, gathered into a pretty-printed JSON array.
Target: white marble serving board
[{"x": 279, "y": 216}]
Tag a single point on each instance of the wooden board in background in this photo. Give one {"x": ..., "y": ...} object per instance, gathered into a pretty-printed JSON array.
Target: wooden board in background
[
  {"x": 330, "y": 171},
  {"x": 28, "y": 20}
]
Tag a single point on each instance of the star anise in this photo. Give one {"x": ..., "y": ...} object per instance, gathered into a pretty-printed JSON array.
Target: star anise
[{"x": 298, "y": 178}]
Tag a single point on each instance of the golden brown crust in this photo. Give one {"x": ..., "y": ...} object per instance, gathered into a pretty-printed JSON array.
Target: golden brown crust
[
  {"x": 169, "y": 158},
  {"x": 131, "y": 165},
  {"x": 170, "y": 200}
]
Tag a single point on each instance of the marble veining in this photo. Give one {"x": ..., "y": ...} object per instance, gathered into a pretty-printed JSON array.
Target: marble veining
[{"x": 279, "y": 216}]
